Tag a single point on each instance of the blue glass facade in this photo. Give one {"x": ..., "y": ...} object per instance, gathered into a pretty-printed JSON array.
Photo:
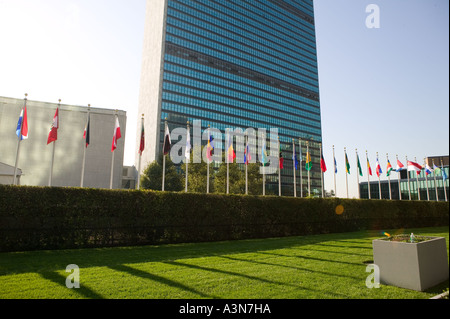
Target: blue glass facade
[{"x": 245, "y": 63}]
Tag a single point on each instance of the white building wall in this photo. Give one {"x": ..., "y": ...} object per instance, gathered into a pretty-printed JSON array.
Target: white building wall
[
  {"x": 151, "y": 80},
  {"x": 35, "y": 154}
]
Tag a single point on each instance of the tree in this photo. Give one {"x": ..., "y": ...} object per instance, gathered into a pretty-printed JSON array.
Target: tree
[
  {"x": 197, "y": 175},
  {"x": 255, "y": 179},
  {"x": 237, "y": 179},
  {"x": 152, "y": 176}
]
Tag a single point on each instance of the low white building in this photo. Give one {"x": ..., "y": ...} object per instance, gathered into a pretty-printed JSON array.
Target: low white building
[
  {"x": 7, "y": 174},
  {"x": 35, "y": 155}
]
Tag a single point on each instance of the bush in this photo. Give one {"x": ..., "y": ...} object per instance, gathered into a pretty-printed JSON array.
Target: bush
[{"x": 59, "y": 218}]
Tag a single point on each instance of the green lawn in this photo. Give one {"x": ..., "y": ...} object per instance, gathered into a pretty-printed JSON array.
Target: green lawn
[{"x": 329, "y": 266}]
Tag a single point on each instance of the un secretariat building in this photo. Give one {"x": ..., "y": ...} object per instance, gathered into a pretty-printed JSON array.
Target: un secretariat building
[{"x": 230, "y": 64}]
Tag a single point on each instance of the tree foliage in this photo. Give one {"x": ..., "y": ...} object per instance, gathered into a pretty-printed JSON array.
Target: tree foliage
[{"x": 152, "y": 176}]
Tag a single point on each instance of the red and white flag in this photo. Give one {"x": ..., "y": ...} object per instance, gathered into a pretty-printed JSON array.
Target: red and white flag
[
  {"x": 142, "y": 144},
  {"x": 414, "y": 167},
  {"x": 53, "y": 134},
  {"x": 116, "y": 135}
]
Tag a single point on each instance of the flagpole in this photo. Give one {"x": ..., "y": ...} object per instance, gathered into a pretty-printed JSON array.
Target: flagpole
[
  {"x": 207, "y": 164},
  {"x": 84, "y": 150},
  {"x": 346, "y": 173},
  {"x": 17, "y": 160},
  {"x": 264, "y": 166},
  {"x": 357, "y": 173},
  {"x": 112, "y": 171},
  {"x": 399, "y": 189},
  {"x": 378, "y": 174},
  {"x": 321, "y": 171},
  {"x": 417, "y": 180},
  {"x": 187, "y": 161},
  {"x": 307, "y": 154},
  {"x": 407, "y": 174},
  {"x": 246, "y": 178},
  {"x": 279, "y": 168},
  {"x": 334, "y": 165},
  {"x": 293, "y": 167},
  {"x": 389, "y": 178},
  {"x": 140, "y": 157},
  {"x": 247, "y": 148},
  {"x": 164, "y": 157},
  {"x": 18, "y": 142},
  {"x": 112, "y": 157},
  {"x": 426, "y": 179},
  {"x": 368, "y": 176},
  {"x": 300, "y": 166},
  {"x": 435, "y": 183},
  {"x": 443, "y": 181},
  {"x": 50, "y": 178},
  {"x": 228, "y": 161}
]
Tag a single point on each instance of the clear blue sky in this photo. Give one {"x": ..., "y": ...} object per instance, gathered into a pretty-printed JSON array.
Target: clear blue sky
[{"x": 382, "y": 90}]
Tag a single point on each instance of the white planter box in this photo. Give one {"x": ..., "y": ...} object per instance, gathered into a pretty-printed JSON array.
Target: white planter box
[{"x": 416, "y": 266}]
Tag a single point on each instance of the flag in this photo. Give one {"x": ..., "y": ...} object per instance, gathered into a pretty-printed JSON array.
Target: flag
[
  {"x": 167, "y": 141},
  {"x": 414, "y": 167},
  {"x": 369, "y": 168},
  {"x": 187, "y": 153},
  {"x": 247, "y": 155},
  {"x": 53, "y": 134},
  {"x": 264, "y": 152},
  {"x": 444, "y": 175},
  {"x": 335, "y": 166},
  {"x": 294, "y": 157},
  {"x": 359, "y": 167},
  {"x": 323, "y": 167},
  {"x": 436, "y": 169},
  {"x": 308, "y": 164},
  {"x": 378, "y": 168},
  {"x": 231, "y": 153},
  {"x": 300, "y": 155},
  {"x": 116, "y": 134},
  {"x": 142, "y": 145},
  {"x": 280, "y": 157},
  {"x": 428, "y": 169},
  {"x": 347, "y": 164},
  {"x": 209, "y": 147},
  {"x": 87, "y": 130},
  {"x": 400, "y": 166},
  {"x": 22, "y": 125},
  {"x": 389, "y": 168}
]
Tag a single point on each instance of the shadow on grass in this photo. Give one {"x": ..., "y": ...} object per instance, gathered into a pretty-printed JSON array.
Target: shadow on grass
[
  {"x": 313, "y": 258},
  {"x": 244, "y": 276},
  {"x": 162, "y": 280},
  {"x": 52, "y": 260},
  {"x": 22, "y": 262},
  {"x": 291, "y": 267},
  {"x": 61, "y": 280}
]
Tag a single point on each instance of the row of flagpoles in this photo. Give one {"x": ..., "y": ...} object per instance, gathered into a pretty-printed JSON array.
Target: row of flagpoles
[
  {"x": 22, "y": 134},
  {"x": 230, "y": 156},
  {"x": 410, "y": 166},
  {"x": 297, "y": 164}
]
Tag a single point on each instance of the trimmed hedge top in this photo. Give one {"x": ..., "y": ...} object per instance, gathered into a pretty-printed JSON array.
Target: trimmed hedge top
[{"x": 58, "y": 218}]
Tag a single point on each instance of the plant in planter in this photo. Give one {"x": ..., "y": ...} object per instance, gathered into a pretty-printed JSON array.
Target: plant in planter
[{"x": 412, "y": 262}]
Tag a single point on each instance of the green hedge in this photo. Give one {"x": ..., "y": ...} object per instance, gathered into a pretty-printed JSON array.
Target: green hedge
[{"x": 57, "y": 218}]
